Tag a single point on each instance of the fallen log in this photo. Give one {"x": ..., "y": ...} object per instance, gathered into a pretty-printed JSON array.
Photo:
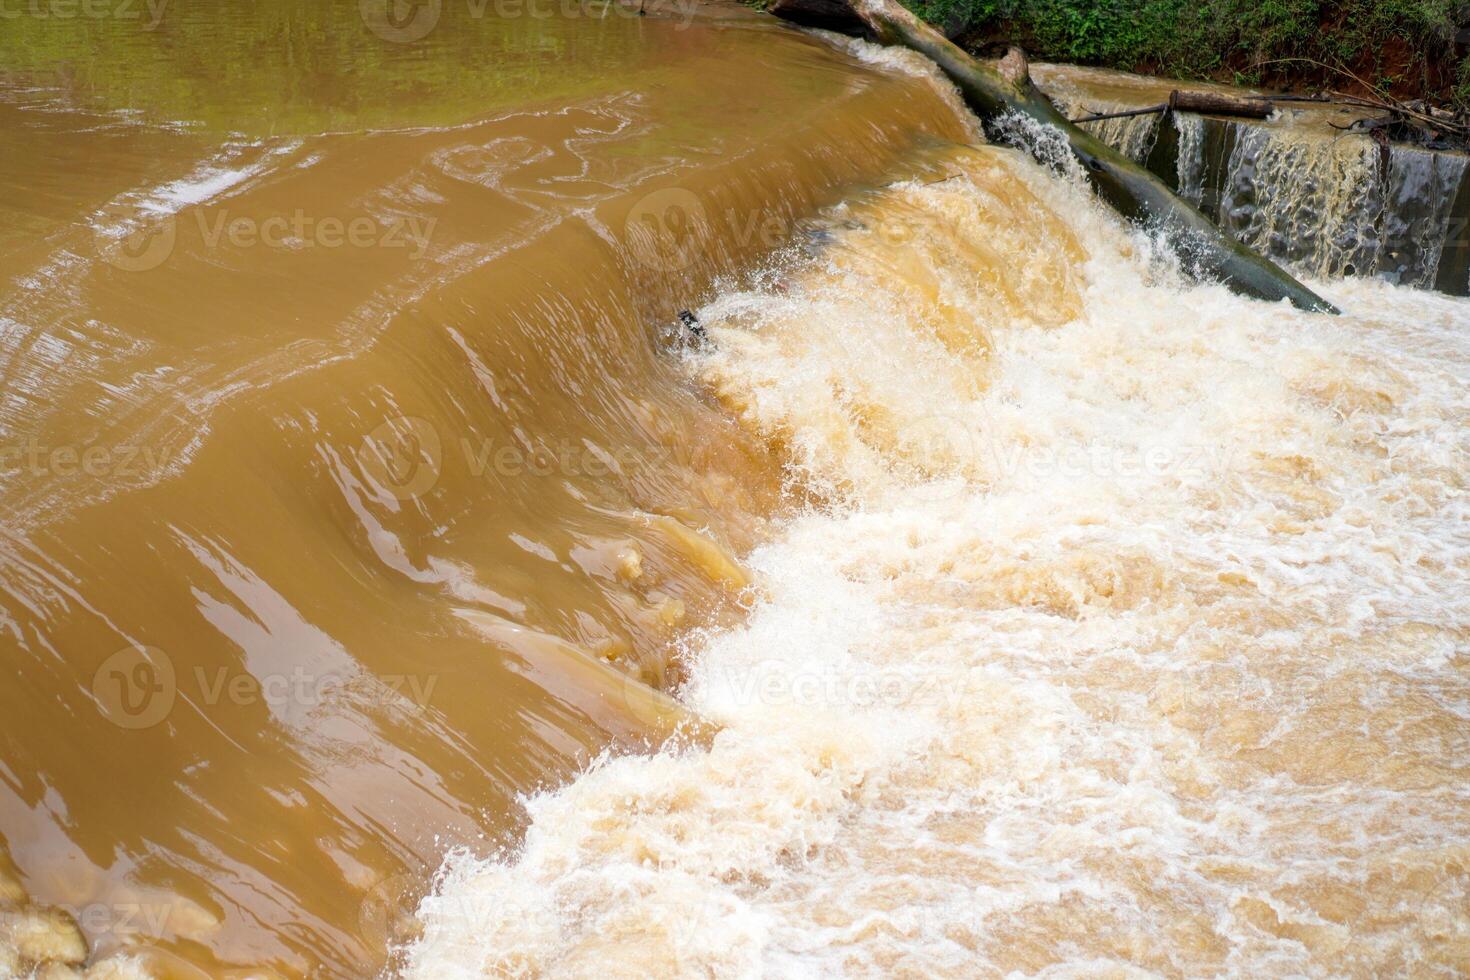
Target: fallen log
[
  {"x": 1213, "y": 104},
  {"x": 1131, "y": 189},
  {"x": 1205, "y": 102}
]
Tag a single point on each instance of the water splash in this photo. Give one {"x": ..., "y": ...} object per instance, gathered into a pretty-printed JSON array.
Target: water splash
[{"x": 1134, "y": 638}]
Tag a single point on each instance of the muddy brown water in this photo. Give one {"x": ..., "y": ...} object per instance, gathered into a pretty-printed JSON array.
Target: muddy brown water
[
  {"x": 342, "y": 471},
  {"x": 1012, "y": 603}
]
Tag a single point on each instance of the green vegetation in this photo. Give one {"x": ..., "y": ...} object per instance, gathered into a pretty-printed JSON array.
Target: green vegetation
[{"x": 1405, "y": 47}]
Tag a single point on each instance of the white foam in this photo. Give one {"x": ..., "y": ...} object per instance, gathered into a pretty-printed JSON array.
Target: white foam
[
  {"x": 1163, "y": 671},
  {"x": 211, "y": 179}
]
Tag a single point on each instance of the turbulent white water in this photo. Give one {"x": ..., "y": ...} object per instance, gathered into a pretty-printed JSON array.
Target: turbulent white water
[{"x": 1134, "y": 637}]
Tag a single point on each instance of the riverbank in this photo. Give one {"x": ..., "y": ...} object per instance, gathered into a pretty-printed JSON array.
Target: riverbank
[{"x": 1409, "y": 49}]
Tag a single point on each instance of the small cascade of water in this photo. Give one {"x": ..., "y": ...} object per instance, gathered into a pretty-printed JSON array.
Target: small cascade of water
[
  {"x": 1133, "y": 136},
  {"x": 1328, "y": 204},
  {"x": 1312, "y": 202},
  {"x": 1417, "y": 220},
  {"x": 1297, "y": 187},
  {"x": 1190, "y": 162}
]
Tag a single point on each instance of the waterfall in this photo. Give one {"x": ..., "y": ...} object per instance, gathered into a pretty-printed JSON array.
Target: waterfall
[{"x": 1190, "y": 163}]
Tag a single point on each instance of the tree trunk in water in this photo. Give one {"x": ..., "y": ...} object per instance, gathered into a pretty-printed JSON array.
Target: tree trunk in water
[
  {"x": 1205, "y": 102},
  {"x": 1130, "y": 188}
]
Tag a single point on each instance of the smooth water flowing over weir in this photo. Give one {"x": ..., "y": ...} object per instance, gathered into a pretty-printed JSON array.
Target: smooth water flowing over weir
[{"x": 972, "y": 594}]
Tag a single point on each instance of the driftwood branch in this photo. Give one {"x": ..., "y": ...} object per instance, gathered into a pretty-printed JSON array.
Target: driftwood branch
[
  {"x": 1123, "y": 114},
  {"x": 1317, "y": 97},
  {"x": 1130, "y": 188},
  {"x": 1439, "y": 122}
]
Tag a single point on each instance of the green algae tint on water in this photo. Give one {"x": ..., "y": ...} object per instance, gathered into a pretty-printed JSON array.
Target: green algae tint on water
[{"x": 286, "y": 68}]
